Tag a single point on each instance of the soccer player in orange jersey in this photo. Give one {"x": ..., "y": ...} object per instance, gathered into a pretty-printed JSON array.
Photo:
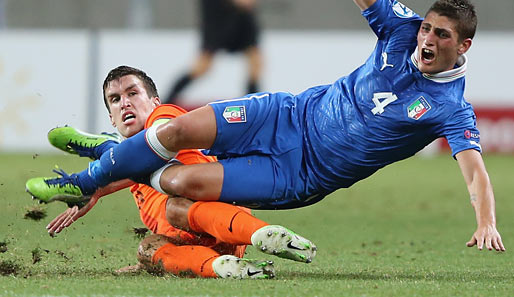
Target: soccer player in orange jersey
[{"x": 214, "y": 232}]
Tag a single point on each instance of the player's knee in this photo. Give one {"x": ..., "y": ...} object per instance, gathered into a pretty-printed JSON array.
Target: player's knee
[
  {"x": 148, "y": 247},
  {"x": 181, "y": 182},
  {"x": 170, "y": 181},
  {"x": 175, "y": 180},
  {"x": 176, "y": 212},
  {"x": 171, "y": 134}
]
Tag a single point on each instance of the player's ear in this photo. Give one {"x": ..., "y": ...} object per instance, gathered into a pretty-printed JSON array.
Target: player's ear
[
  {"x": 156, "y": 101},
  {"x": 464, "y": 46},
  {"x": 112, "y": 121}
]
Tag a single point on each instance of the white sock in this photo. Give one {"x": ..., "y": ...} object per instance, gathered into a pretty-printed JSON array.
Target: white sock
[
  {"x": 155, "y": 144},
  {"x": 155, "y": 178}
]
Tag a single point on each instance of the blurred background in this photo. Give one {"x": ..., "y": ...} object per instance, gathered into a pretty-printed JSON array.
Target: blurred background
[{"x": 54, "y": 55}]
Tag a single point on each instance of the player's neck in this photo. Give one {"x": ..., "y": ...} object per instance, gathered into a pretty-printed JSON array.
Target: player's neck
[{"x": 457, "y": 72}]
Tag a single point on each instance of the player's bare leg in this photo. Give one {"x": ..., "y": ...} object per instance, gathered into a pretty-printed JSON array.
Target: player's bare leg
[
  {"x": 199, "y": 182},
  {"x": 176, "y": 212},
  {"x": 195, "y": 129}
]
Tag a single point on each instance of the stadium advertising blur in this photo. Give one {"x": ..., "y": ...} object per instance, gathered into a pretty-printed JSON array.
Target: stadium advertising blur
[{"x": 65, "y": 86}]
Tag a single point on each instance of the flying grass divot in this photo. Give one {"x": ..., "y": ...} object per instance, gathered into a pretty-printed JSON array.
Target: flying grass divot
[{"x": 35, "y": 213}]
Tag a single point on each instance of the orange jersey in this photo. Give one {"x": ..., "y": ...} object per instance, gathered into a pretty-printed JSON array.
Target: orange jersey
[{"x": 152, "y": 204}]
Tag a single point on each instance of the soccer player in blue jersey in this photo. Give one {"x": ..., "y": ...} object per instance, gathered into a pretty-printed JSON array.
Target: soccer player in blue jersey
[{"x": 278, "y": 150}]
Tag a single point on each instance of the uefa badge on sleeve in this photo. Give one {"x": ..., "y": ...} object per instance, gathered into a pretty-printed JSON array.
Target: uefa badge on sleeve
[
  {"x": 418, "y": 108},
  {"x": 235, "y": 114}
]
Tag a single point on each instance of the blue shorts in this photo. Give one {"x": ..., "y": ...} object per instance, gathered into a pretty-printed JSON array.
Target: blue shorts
[{"x": 259, "y": 144}]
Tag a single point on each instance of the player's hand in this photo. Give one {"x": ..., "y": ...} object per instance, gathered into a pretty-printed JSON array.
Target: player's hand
[
  {"x": 70, "y": 215},
  {"x": 54, "y": 226},
  {"x": 74, "y": 213},
  {"x": 489, "y": 236}
]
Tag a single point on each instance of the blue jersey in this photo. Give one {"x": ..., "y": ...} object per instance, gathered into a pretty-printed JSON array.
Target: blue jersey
[
  {"x": 384, "y": 111},
  {"x": 281, "y": 150}
]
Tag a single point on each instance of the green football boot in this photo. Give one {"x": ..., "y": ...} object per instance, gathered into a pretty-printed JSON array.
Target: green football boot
[
  {"x": 228, "y": 266},
  {"x": 80, "y": 143},
  {"x": 284, "y": 243},
  {"x": 64, "y": 188}
]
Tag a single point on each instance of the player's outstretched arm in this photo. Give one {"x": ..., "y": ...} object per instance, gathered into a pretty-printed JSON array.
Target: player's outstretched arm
[
  {"x": 70, "y": 215},
  {"x": 482, "y": 200},
  {"x": 364, "y": 4}
]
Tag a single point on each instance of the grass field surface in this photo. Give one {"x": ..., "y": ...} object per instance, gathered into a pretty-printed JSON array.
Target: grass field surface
[{"x": 401, "y": 232}]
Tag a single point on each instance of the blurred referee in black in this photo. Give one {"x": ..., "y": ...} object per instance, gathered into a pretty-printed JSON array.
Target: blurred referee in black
[{"x": 229, "y": 25}]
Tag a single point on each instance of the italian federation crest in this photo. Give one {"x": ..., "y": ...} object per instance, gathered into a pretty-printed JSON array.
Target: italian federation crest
[
  {"x": 418, "y": 108},
  {"x": 235, "y": 114}
]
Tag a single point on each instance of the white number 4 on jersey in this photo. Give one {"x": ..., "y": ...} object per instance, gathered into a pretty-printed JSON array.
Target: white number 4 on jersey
[{"x": 386, "y": 97}]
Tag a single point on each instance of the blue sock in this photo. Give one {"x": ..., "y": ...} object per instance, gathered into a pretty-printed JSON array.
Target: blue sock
[
  {"x": 132, "y": 158},
  {"x": 85, "y": 182},
  {"x": 102, "y": 148}
]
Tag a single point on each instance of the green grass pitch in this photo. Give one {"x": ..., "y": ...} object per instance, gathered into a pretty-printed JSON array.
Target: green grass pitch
[{"x": 401, "y": 232}]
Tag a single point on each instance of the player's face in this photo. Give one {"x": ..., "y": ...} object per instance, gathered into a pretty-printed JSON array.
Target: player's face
[
  {"x": 129, "y": 104},
  {"x": 438, "y": 44}
]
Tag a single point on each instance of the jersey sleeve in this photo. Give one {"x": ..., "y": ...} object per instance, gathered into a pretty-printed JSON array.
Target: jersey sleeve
[
  {"x": 461, "y": 131},
  {"x": 163, "y": 113},
  {"x": 386, "y": 16}
]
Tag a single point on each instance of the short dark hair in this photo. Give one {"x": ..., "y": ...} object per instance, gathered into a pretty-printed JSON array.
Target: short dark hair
[
  {"x": 462, "y": 12},
  {"x": 123, "y": 70}
]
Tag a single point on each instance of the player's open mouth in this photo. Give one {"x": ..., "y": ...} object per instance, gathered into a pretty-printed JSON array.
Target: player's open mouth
[
  {"x": 128, "y": 116},
  {"x": 427, "y": 55}
]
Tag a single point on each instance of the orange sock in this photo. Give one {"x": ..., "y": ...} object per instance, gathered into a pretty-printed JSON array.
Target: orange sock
[
  {"x": 226, "y": 222},
  {"x": 186, "y": 259}
]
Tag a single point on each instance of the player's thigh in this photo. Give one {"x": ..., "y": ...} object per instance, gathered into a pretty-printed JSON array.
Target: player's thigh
[
  {"x": 261, "y": 123},
  {"x": 201, "y": 182},
  {"x": 195, "y": 129}
]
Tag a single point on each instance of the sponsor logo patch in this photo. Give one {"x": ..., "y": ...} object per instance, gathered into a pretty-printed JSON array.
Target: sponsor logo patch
[
  {"x": 418, "y": 108},
  {"x": 235, "y": 114},
  {"x": 402, "y": 11},
  {"x": 468, "y": 134}
]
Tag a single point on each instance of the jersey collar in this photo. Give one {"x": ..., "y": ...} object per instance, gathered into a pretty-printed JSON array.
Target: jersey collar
[{"x": 445, "y": 76}]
